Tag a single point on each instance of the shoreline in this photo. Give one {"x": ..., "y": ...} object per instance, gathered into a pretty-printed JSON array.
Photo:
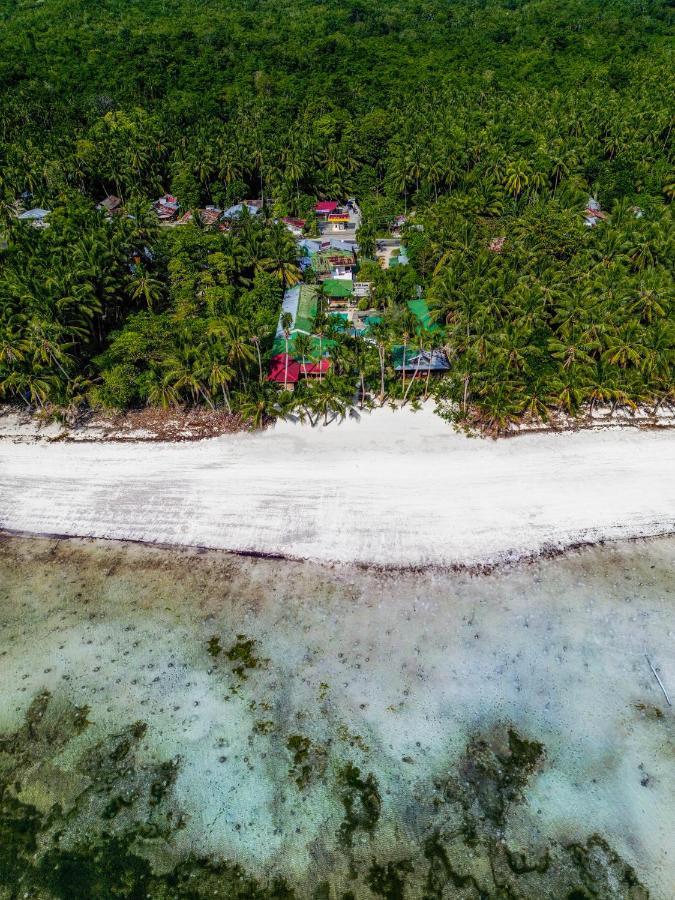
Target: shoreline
[
  {"x": 477, "y": 570},
  {"x": 395, "y": 491},
  {"x": 151, "y": 425}
]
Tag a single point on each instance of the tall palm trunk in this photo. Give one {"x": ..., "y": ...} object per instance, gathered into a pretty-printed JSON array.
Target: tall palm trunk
[
  {"x": 286, "y": 366},
  {"x": 412, "y": 380},
  {"x": 426, "y": 384},
  {"x": 380, "y": 350},
  {"x": 226, "y": 398},
  {"x": 206, "y": 397},
  {"x": 260, "y": 374}
]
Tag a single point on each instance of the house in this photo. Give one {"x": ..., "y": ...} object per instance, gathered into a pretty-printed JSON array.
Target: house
[
  {"x": 166, "y": 208},
  {"x": 37, "y": 217},
  {"x": 253, "y": 207},
  {"x": 593, "y": 213},
  {"x": 339, "y": 293},
  {"x": 331, "y": 263},
  {"x": 295, "y": 226},
  {"x": 423, "y": 361},
  {"x": 342, "y": 266},
  {"x": 110, "y": 205},
  {"x": 324, "y": 208},
  {"x": 338, "y": 221},
  {"x": 210, "y": 215}
]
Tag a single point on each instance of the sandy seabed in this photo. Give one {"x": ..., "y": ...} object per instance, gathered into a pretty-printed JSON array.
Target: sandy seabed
[
  {"x": 394, "y": 488},
  {"x": 202, "y": 705}
]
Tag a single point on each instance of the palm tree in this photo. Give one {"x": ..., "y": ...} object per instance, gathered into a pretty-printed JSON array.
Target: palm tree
[
  {"x": 239, "y": 353},
  {"x": 379, "y": 332},
  {"x": 303, "y": 348},
  {"x": 408, "y": 326},
  {"x": 145, "y": 286},
  {"x": 183, "y": 374},
  {"x": 422, "y": 335},
  {"x": 32, "y": 387},
  {"x": 517, "y": 177},
  {"x": 286, "y": 325},
  {"x": 281, "y": 260},
  {"x": 163, "y": 394},
  {"x": 219, "y": 376},
  {"x": 326, "y": 399},
  {"x": 255, "y": 340},
  {"x": 258, "y": 407}
]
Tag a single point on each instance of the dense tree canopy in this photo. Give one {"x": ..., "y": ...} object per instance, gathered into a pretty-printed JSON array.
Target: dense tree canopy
[{"x": 491, "y": 119}]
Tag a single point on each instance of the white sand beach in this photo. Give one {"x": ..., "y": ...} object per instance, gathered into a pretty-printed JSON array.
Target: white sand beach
[{"x": 394, "y": 488}]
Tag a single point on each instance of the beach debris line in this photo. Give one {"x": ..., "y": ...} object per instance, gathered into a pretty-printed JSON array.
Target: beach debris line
[{"x": 656, "y": 675}]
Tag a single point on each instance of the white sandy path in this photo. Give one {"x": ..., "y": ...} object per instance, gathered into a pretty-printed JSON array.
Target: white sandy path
[{"x": 396, "y": 488}]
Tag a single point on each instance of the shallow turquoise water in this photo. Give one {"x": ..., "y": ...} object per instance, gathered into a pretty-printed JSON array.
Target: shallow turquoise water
[{"x": 420, "y": 735}]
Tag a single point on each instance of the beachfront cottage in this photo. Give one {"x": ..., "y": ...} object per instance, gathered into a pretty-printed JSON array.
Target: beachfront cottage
[
  {"x": 284, "y": 370},
  {"x": 434, "y": 361}
]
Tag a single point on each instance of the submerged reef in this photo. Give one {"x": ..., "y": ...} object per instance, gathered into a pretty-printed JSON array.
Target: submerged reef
[{"x": 83, "y": 819}]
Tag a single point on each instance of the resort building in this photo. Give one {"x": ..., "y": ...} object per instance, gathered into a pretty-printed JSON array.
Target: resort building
[
  {"x": 433, "y": 361},
  {"x": 339, "y": 293},
  {"x": 285, "y": 370}
]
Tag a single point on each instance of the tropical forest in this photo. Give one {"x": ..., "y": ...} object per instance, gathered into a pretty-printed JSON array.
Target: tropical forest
[{"x": 521, "y": 149}]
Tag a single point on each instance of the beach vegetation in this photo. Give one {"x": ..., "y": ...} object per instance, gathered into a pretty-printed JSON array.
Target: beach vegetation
[{"x": 489, "y": 127}]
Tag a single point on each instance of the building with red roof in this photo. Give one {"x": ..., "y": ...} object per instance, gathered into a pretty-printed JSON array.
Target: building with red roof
[
  {"x": 283, "y": 369},
  {"x": 286, "y": 370},
  {"x": 325, "y": 207},
  {"x": 315, "y": 369}
]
